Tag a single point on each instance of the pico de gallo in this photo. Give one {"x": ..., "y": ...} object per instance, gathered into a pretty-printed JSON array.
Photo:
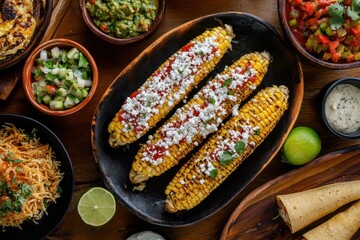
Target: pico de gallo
[{"x": 328, "y": 29}]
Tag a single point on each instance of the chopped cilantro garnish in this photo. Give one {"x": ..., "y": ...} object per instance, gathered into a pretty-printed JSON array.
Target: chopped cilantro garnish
[
  {"x": 227, "y": 82},
  {"x": 352, "y": 14},
  {"x": 239, "y": 147},
  {"x": 212, "y": 101},
  {"x": 226, "y": 158},
  {"x": 336, "y": 12},
  {"x": 257, "y": 131},
  {"x": 213, "y": 173},
  {"x": 355, "y": 5},
  {"x": 26, "y": 189},
  {"x": 37, "y": 72}
]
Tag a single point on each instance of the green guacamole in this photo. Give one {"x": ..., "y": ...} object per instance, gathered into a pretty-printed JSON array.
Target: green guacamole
[{"x": 122, "y": 18}]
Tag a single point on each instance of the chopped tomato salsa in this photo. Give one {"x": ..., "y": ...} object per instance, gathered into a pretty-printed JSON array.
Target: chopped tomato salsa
[{"x": 328, "y": 29}]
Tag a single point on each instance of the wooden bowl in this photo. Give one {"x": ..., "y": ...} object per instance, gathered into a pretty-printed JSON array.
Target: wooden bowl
[
  {"x": 300, "y": 49},
  {"x": 27, "y": 76},
  {"x": 38, "y": 34},
  {"x": 122, "y": 41}
]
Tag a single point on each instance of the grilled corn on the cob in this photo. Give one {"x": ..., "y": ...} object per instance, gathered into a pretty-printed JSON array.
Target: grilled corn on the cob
[
  {"x": 226, "y": 150},
  {"x": 202, "y": 115},
  {"x": 168, "y": 85}
]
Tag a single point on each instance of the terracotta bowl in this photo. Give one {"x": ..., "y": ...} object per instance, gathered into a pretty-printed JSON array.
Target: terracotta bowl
[
  {"x": 39, "y": 33},
  {"x": 323, "y": 97},
  {"x": 27, "y": 76},
  {"x": 301, "y": 50},
  {"x": 122, "y": 41}
]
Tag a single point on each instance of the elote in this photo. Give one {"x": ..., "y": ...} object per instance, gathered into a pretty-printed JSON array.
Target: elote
[
  {"x": 201, "y": 116},
  {"x": 226, "y": 149},
  {"x": 168, "y": 85}
]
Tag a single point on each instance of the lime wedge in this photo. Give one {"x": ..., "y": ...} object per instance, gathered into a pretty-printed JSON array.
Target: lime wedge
[{"x": 96, "y": 206}]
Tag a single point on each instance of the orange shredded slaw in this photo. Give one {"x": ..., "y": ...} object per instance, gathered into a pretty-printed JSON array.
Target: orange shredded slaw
[{"x": 35, "y": 166}]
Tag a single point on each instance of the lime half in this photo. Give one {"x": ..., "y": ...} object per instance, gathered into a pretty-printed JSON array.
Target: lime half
[
  {"x": 96, "y": 206},
  {"x": 301, "y": 146}
]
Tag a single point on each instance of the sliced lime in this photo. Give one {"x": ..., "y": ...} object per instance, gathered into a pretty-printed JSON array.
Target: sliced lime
[{"x": 96, "y": 206}]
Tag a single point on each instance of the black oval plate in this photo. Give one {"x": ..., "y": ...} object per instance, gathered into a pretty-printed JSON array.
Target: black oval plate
[
  {"x": 252, "y": 34},
  {"x": 56, "y": 211}
]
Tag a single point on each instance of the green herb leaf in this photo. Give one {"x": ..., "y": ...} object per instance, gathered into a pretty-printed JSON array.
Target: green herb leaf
[
  {"x": 352, "y": 14},
  {"x": 213, "y": 173},
  {"x": 143, "y": 115},
  {"x": 212, "y": 101},
  {"x": 226, "y": 158},
  {"x": 227, "y": 82},
  {"x": 257, "y": 131},
  {"x": 8, "y": 203},
  {"x": 17, "y": 161},
  {"x": 25, "y": 189},
  {"x": 49, "y": 64},
  {"x": 239, "y": 147},
  {"x": 37, "y": 72},
  {"x": 336, "y": 12},
  {"x": 59, "y": 189},
  {"x": 83, "y": 62},
  {"x": 355, "y": 5},
  {"x": 85, "y": 75}
]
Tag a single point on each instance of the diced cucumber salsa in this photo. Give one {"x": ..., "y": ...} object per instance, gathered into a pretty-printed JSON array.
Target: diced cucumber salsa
[{"x": 63, "y": 78}]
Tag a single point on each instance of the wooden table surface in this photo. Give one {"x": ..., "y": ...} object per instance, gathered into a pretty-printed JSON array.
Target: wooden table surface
[{"x": 74, "y": 130}]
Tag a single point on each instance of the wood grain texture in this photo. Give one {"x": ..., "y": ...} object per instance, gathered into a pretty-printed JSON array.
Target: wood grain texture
[
  {"x": 74, "y": 130},
  {"x": 11, "y": 76},
  {"x": 257, "y": 215}
]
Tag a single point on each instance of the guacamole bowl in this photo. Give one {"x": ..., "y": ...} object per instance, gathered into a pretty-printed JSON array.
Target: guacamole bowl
[{"x": 121, "y": 25}]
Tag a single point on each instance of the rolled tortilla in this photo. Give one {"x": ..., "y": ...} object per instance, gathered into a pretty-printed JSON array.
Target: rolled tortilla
[
  {"x": 302, "y": 208},
  {"x": 342, "y": 226}
]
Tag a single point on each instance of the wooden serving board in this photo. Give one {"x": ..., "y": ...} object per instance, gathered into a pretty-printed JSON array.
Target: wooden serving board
[
  {"x": 256, "y": 217},
  {"x": 10, "y": 77}
]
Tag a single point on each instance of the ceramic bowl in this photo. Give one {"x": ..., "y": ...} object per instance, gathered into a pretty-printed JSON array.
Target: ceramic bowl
[
  {"x": 299, "y": 47},
  {"x": 323, "y": 97},
  {"x": 28, "y": 78},
  {"x": 55, "y": 211},
  {"x": 121, "y": 41}
]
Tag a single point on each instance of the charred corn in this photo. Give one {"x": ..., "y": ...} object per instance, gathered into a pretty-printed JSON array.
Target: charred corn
[
  {"x": 201, "y": 116},
  {"x": 226, "y": 149},
  {"x": 168, "y": 85}
]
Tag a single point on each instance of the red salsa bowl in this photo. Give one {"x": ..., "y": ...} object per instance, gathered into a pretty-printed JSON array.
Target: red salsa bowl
[{"x": 326, "y": 32}]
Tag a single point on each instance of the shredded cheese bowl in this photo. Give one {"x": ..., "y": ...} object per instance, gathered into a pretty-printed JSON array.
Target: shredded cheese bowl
[{"x": 38, "y": 195}]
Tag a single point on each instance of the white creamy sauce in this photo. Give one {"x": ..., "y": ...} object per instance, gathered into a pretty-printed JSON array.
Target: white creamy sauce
[
  {"x": 342, "y": 108},
  {"x": 145, "y": 235}
]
